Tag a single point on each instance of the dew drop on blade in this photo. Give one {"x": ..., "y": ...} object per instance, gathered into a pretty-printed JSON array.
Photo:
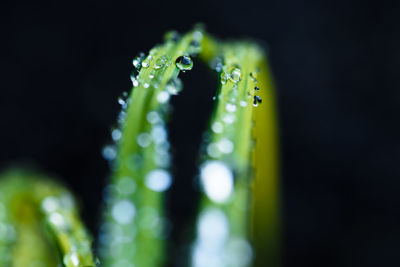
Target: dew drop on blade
[
  {"x": 174, "y": 86},
  {"x": 184, "y": 63},
  {"x": 257, "y": 100},
  {"x": 235, "y": 75}
]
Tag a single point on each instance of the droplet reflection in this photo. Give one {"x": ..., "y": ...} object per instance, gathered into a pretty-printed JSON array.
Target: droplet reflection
[{"x": 217, "y": 180}]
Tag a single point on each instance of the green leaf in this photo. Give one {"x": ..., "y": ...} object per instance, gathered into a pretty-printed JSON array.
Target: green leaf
[
  {"x": 135, "y": 225},
  {"x": 226, "y": 170}
]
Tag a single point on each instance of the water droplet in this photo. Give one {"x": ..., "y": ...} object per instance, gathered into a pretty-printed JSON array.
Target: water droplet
[
  {"x": 173, "y": 36},
  {"x": 217, "y": 180},
  {"x": 135, "y": 82},
  {"x": 50, "y": 204},
  {"x": 109, "y": 152},
  {"x": 160, "y": 62},
  {"x": 217, "y": 127},
  {"x": 224, "y": 77},
  {"x": 253, "y": 77},
  {"x": 163, "y": 97},
  {"x": 213, "y": 151},
  {"x": 228, "y": 118},
  {"x": 174, "y": 86},
  {"x": 159, "y": 134},
  {"x": 144, "y": 139},
  {"x": 116, "y": 134},
  {"x": 121, "y": 117},
  {"x": 162, "y": 148},
  {"x": 197, "y": 35},
  {"x": 145, "y": 64},
  {"x": 257, "y": 100},
  {"x": 225, "y": 146},
  {"x": 235, "y": 75},
  {"x": 158, "y": 180},
  {"x": 257, "y": 88},
  {"x": 184, "y": 63},
  {"x": 194, "y": 47},
  {"x": 71, "y": 259},
  {"x": 137, "y": 61},
  {"x": 230, "y": 107},
  {"x": 238, "y": 252},
  {"x": 243, "y": 103},
  {"x": 123, "y": 211},
  {"x": 121, "y": 101},
  {"x": 57, "y": 219},
  {"x": 162, "y": 160},
  {"x": 213, "y": 228},
  {"x": 216, "y": 64},
  {"x": 161, "y": 157},
  {"x": 153, "y": 117}
]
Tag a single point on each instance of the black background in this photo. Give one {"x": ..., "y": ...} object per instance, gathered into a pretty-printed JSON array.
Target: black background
[{"x": 336, "y": 64}]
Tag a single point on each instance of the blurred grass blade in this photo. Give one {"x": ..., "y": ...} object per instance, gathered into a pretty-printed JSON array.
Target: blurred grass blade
[
  {"x": 135, "y": 223},
  {"x": 265, "y": 219},
  {"x": 225, "y": 236},
  {"x": 39, "y": 223}
]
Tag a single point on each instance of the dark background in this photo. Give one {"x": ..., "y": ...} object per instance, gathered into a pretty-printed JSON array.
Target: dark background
[{"x": 336, "y": 64}]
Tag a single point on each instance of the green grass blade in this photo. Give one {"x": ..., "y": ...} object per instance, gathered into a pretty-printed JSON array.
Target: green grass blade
[
  {"x": 135, "y": 222},
  {"x": 224, "y": 230}
]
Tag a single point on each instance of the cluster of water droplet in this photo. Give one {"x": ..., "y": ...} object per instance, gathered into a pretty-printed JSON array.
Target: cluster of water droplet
[
  {"x": 109, "y": 152},
  {"x": 256, "y": 98},
  {"x": 216, "y": 64},
  {"x": 153, "y": 61},
  {"x": 222, "y": 145}
]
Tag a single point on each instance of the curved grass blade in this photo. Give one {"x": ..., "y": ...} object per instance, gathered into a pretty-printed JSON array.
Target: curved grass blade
[
  {"x": 224, "y": 231},
  {"x": 135, "y": 223},
  {"x": 41, "y": 223}
]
